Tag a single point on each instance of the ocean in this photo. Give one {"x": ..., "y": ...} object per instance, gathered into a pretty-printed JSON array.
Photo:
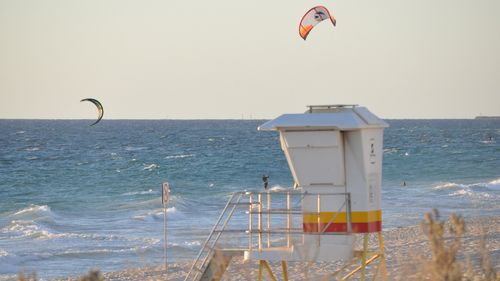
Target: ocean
[{"x": 75, "y": 197}]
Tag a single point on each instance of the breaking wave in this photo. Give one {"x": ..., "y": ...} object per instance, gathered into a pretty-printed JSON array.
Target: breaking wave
[
  {"x": 479, "y": 190},
  {"x": 158, "y": 214}
]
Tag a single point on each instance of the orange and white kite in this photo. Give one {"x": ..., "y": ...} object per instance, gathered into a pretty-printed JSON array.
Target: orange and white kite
[{"x": 313, "y": 17}]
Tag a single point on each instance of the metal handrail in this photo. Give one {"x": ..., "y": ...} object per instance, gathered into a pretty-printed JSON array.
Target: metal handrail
[
  {"x": 220, "y": 233},
  {"x": 265, "y": 209},
  {"x": 204, "y": 246}
]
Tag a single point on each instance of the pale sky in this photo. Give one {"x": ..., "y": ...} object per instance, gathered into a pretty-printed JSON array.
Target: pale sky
[{"x": 153, "y": 59}]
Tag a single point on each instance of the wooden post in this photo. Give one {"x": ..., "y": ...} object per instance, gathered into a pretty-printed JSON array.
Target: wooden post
[
  {"x": 260, "y": 221},
  {"x": 268, "y": 219},
  {"x": 289, "y": 220},
  {"x": 250, "y": 221}
]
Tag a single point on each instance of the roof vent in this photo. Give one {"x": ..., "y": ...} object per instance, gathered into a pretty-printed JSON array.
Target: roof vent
[{"x": 329, "y": 108}]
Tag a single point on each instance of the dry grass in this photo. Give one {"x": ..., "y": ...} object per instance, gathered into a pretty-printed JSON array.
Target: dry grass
[
  {"x": 445, "y": 240},
  {"x": 93, "y": 275}
]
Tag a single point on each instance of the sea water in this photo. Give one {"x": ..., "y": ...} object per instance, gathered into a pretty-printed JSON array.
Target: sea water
[{"x": 75, "y": 197}]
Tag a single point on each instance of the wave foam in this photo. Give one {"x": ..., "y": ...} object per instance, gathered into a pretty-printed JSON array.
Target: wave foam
[
  {"x": 150, "y": 167},
  {"x": 33, "y": 209},
  {"x": 157, "y": 214},
  {"x": 179, "y": 156},
  {"x": 188, "y": 244},
  {"x": 150, "y": 191},
  {"x": 495, "y": 184},
  {"x": 480, "y": 189},
  {"x": 277, "y": 188},
  {"x": 23, "y": 229},
  {"x": 449, "y": 185},
  {"x": 3, "y": 253},
  {"x": 76, "y": 253},
  {"x": 26, "y": 229},
  {"x": 135, "y": 148}
]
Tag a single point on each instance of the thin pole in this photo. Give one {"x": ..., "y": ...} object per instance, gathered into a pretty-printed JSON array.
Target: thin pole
[
  {"x": 268, "y": 219},
  {"x": 250, "y": 222},
  {"x": 165, "y": 236},
  {"x": 164, "y": 199},
  {"x": 289, "y": 220},
  {"x": 260, "y": 220},
  {"x": 318, "y": 205},
  {"x": 363, "y": 257}
]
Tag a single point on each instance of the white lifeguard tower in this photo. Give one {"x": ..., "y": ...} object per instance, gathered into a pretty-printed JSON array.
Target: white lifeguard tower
[{"x": 335, "y": 156}]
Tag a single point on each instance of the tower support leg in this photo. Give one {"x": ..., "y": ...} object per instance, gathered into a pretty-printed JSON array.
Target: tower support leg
[
  {"x": 363, "y": 257},
  {"x": 382, "y": 258},
  {"x": 285, "y": 270},
  {"x": 265, "y": 265}
]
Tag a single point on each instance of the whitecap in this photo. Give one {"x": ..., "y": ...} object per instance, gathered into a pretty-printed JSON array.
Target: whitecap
[
  {"x": 33, "y": 209},
  {"x": 449, "y": 185},
  {"x": 186, "y": 244},
  {"x": 179, "y": 156},
  {"x": 28, "y": 229},
  {"x": 102, "y": 251},
  {"x": 390, "y": 150},
  {"x": 22, "y": 229},
  {"x": 132, "y": 148},
  {"x": 277, "y": 188},
  {"x": 192, "y": 243},
  {"x": 462, "y": 192},
  {"x": 3, "y": 253},
  {"x": 157, "y": 214},
  {"x": 150, "y": 191},
  {"x": 33, "y": 148},
  {"x": 494, "y": 185},
  {"x": 150, "y": 167}
]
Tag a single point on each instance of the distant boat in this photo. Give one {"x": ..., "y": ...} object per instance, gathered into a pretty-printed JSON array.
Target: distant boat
[{"x": 487, "y": 118}]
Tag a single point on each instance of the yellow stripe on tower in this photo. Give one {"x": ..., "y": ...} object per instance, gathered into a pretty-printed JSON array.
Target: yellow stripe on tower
[{"x": 341, "y": 217}]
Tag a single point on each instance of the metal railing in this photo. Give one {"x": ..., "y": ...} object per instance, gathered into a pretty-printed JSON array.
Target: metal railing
[
  {"x": 275, "y": 219},
  {"x": 208, "y": 247}
]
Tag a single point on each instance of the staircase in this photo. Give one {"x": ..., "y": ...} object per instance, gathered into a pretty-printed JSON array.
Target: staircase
[{"x": 212, "y": 262}]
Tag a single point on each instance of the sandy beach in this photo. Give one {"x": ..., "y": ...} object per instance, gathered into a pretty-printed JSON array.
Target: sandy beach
[{"x": 407, "y": 250}]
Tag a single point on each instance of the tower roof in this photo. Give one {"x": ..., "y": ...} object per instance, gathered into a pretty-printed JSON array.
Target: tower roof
[{"x": 338, "y": 117}]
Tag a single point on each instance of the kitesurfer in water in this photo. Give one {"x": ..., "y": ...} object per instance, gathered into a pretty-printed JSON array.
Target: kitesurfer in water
[{"x": 265, "y": 179}]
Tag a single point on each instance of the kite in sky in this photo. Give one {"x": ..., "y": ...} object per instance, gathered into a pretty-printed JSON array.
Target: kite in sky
[
  {"x": 312, "y": 18},
  {"x": 100, "y": 109}
]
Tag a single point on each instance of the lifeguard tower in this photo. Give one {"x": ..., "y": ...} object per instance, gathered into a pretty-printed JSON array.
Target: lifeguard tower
[{"x": 335, "y": 156}]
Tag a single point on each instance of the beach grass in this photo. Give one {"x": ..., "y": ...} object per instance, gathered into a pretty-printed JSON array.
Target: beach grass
[{"x": 445, "y": 258}]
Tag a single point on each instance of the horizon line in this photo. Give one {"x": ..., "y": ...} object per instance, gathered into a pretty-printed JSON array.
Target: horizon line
[{"x": 228, "y": 119}]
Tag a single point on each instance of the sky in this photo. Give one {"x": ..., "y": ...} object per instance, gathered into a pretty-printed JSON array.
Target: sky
[{"x": 233, "y": 59}]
